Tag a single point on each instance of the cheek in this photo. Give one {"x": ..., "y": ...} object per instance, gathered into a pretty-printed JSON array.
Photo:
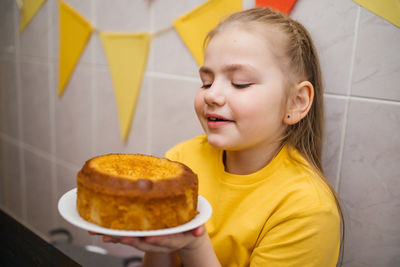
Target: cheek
[{"x": 199, "y": 103}]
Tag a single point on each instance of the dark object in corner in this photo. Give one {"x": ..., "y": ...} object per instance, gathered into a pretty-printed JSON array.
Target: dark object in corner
[{"x": 19, "y": 246}]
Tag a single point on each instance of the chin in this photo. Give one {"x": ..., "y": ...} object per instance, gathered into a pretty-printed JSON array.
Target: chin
[{"x": 218, "y": 142}]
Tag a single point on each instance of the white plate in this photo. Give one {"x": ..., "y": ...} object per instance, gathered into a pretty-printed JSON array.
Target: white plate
[{"x": 67, "y": 209}]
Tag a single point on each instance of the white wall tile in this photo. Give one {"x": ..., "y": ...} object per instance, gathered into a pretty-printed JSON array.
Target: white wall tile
[
  {"x": 165, "y": 12},
  {"x": 122, "y": 16},
  {"x": 107, "y": 129},
  {"x": 7, "y": 28},
  {"x": 173, "y": 121},
  {"x": 168, "y": 54},
  {"x": 331, "y": 25},
  {"x": 369, "y": 183},
  {"x": 73, "y": 121},
  {"x": 334, "y": 118},
  {"x": 377, "y": 65},
  {"x": 2, "y": 173},
  {"x": 8, "y": 98},
  {"x": 11, "y": 195},
  {"x": 39, "y": 198},
  {"x": 35, "y": 104},
  {"x": 34, "y": 39}
]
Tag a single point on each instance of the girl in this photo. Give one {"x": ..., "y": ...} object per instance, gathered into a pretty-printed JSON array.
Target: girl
[{"x": 259, "y": 162}]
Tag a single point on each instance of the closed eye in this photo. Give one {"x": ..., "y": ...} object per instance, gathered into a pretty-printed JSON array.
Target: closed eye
[
  {"x": 205, "y": 86},
  {"x": 241, "y": 85}
]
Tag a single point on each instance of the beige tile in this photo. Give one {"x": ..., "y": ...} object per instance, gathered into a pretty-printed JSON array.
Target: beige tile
[
  {"x": 34, "y": 39},
  {"x": 7, "y": 27},
  {"x": 369, "y": 183},
  {"x": 8, "y": 99},
  {"x": 377, "y": 65},
  {"x": 11, "y": 178},
  {"x": 122, "y": 16},
  {"x": 331, "y": 24},
  {"x": 73, "y": 120},
  {"x": 39, "y": 199},
  {"x": 133, "y": 16},
  {"x": 334, "y": 118},
  {"x": 35, "y": 105},
  {"x": 173, "y": 116},
  {"x": 165, "y": 12},
  {"x": 168, "y": 54},
  {"x": 107, "y": 129},
  {"x": 2, "y": 172}
]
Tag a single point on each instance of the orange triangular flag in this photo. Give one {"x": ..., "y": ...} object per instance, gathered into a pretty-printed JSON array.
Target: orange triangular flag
[
  {"x": 75, "y": 31},
  {"x": 285, "y": 6},
  {"x": 195, "y": 25},
  {"x": 127, "y": 56},
  {"x": 29, "y": 8}
]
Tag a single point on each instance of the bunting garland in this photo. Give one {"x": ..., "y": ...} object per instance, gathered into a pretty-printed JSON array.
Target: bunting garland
[
  {"x": 127, "y": 52},
  {"x": 75, "y": 31},
  {"x": 284, "y": 6},
  {"x": 127, "y": 57},
  {"x": 194, "y": 26},
  {"x": 29, "y": 8}
]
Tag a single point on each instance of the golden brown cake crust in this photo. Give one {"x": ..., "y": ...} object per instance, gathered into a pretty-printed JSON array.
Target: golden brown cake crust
[
  {"x": 118, "y": 185},
  {"x": 136, "y": 192}
]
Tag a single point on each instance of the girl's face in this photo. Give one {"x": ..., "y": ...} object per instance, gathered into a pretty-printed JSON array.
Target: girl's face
[{"x": 241, "y": 104}]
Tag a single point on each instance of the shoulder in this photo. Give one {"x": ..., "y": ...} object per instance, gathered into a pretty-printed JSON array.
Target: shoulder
[
  {"x": 192, "y": 146},
  {"x": 303, "y": 188}
]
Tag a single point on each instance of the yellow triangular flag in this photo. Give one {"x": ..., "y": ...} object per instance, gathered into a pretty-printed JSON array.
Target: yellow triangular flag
[
  {"x": 195, "y": 25},
  {"x": 127, "y": 56},
  {"x": 29, "y": 8},
  {"x": 387, "y": 9},
  {"x": 75, "y": 31}
]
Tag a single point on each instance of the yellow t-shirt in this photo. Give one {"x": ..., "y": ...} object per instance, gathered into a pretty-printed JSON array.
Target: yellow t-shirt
[{"x": 281, "y": 215}]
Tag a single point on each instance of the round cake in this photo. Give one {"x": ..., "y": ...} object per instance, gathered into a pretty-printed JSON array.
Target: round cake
[{"x": 136, "y": 192}]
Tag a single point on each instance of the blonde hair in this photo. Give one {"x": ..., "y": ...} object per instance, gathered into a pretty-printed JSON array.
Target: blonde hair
[{"x": 299, "y": 56}]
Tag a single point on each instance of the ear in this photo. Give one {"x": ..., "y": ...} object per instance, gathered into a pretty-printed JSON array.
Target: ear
[{"x": 299, "y": 102}]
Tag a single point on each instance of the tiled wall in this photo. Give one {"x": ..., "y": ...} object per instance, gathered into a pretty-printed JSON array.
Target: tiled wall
[{"x": 44, "y": 140}]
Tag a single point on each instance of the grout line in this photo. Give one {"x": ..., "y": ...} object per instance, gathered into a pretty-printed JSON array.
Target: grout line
[
  {"x": 17, "y": 57},
  {"x": 93, "y": 93},
  {"x": 149, "y": 143},
  {"x": 346, "y": 112},
  {"x": 52, "y": 114},
  {"x": 38, "y": 152},
  {"x": 93, "y": 87},
  {"x": 364, "y": 98}
]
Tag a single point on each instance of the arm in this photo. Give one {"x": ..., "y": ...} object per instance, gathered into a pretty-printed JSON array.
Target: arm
[{"x": 161, "y": 259}]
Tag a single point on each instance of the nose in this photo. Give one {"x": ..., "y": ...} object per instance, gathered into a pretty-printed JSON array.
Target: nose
[{"x": 215, "y": 95}]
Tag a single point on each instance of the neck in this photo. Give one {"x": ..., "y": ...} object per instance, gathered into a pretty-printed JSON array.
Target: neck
[{"x": 250, "y": 160}]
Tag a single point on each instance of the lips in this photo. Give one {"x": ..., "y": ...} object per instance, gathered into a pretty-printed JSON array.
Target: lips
[{"x": 215, "y": 121}]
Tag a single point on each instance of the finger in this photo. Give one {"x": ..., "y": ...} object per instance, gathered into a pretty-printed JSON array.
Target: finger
[
  {"x": 112, "y": 239},
  {"x": 199, "y": 231},
  {"x": 174, "y": 242},
  {"x": 93, "y": 233},
  {"x": 141, "y": 244}
]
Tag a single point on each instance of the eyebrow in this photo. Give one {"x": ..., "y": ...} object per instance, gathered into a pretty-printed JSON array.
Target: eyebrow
[{"x": 228, "y": 68}]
